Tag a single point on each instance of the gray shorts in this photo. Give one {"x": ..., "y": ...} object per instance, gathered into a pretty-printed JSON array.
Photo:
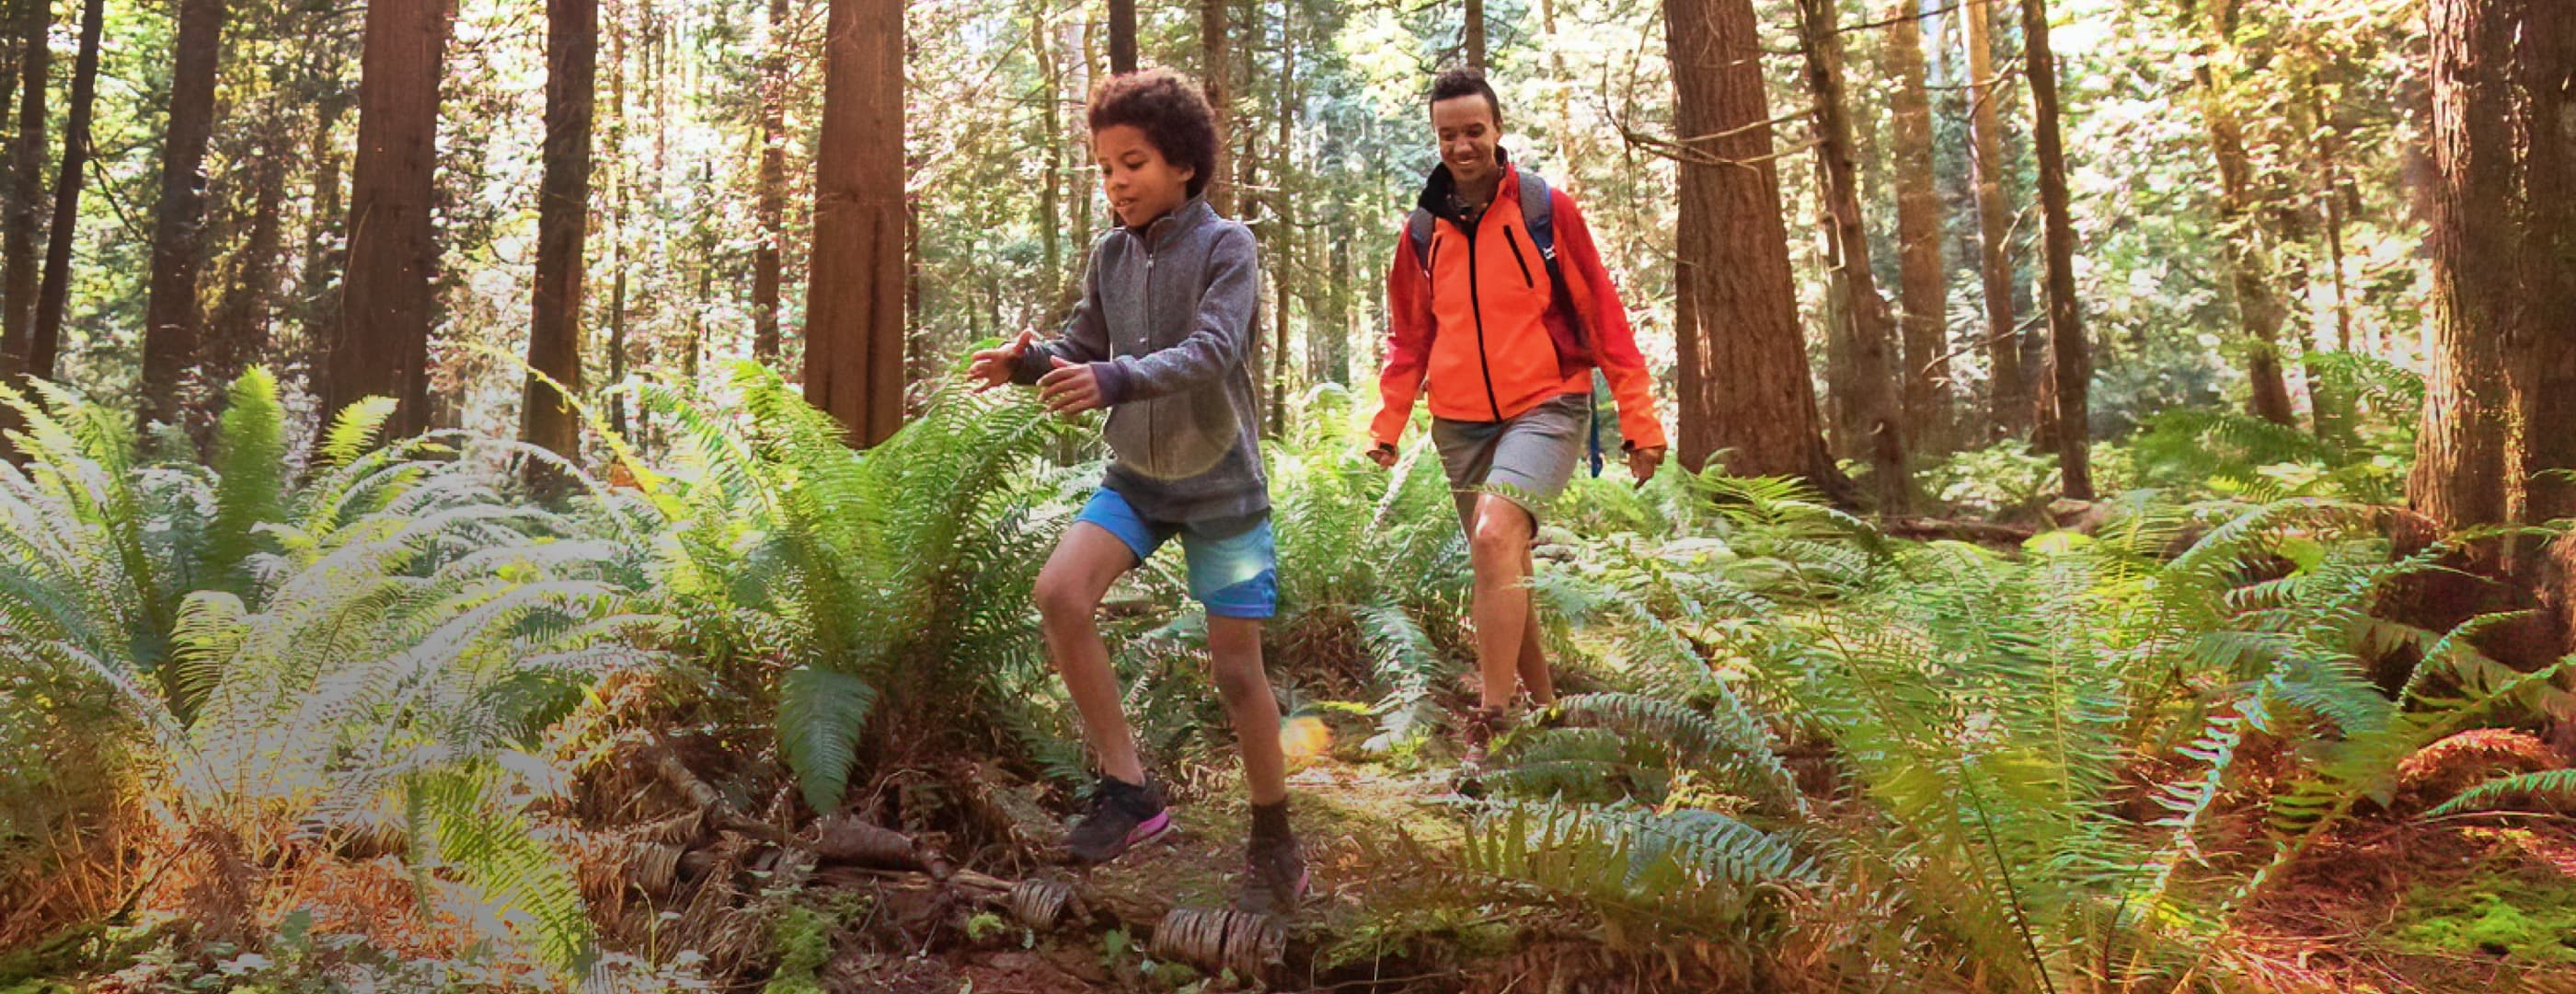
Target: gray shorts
[{"x": 1529, "y": 456}]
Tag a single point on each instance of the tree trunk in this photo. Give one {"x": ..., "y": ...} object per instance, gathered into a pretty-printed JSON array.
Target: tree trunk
[
  {"x": 2258, "y": 304},
  {"x": 26, "y": 187},
  {"x": 1122, "y": 36},
  {"x": 2545, "y": 64},
  {"x": 173, "y": 323},
  {"x": 2070, "y": 357},
  {"x": 381, "y": 347},
  {"x": 1283, "y": 231},
  {"x": 54, "y": 294},
  {"x": 237, "y": 331},
  {"x": 1050, "y": 143},
  {"x": 1880, "y": 438},
  {"x": 2009, "y": 395},
  {"x": 1214, "y": 69},
  {"x": 854, "y": 327},
  {"x": 772, "y": 208},
  {"x": 563, "y": 226},
  {"x": 2460, "y": 476},
  {"x": 1925, "y": 289},
  {"x": 325, "y": 251},
  {"x": 1476, "y": 35},
  {"x": 1745, "y": 386}
]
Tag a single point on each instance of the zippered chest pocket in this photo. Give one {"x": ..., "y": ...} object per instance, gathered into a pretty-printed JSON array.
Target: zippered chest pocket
[{"x": 1513, "y": 239}]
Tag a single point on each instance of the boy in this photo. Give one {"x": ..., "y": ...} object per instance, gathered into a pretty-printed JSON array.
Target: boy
[{"x": 1161, "y": 338}]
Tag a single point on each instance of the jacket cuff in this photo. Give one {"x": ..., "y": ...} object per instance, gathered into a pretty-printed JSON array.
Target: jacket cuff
[
  {"x": 1113, "y": 381},
  {"x": 1031, "y": 366}
]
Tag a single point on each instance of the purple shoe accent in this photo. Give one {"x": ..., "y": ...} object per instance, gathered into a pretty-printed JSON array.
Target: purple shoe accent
[{"x": 1151, "y": 829}]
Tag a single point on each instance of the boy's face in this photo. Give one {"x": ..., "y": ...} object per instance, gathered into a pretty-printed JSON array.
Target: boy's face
[
  {"x": 1468, "y": 134},
  {"x": 1142, "y": 185}
]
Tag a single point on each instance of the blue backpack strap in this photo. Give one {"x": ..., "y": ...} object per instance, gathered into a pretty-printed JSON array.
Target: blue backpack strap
[
  {"x": 1417, "y": 228},
  {"x": 1593, "y": 427},
  {"x": 1538, "y": 215}
]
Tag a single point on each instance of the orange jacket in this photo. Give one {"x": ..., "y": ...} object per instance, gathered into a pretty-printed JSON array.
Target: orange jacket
[{"x": 1474, "y": 326}]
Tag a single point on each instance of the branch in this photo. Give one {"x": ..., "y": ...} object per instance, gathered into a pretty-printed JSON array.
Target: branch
[{"x": 1901, "y": 17}]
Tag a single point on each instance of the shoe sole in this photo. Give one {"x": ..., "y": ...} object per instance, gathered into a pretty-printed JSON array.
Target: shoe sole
[
  {"x": 1146, "y": 831},
  {"x": 1152, "y": 828}
]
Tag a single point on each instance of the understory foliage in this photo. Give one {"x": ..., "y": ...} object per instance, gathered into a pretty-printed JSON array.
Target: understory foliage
[{"x": 2064, "y": 765}]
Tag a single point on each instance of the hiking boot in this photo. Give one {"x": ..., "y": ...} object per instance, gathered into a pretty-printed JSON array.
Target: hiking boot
[
  {"x": 1123, "y": 815},
  {"x": 1483, "y": 725},
  {"x": 1274, "y": 875}
]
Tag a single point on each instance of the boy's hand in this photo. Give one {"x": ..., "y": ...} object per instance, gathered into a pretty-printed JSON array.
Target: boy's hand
[
  {"x": 1069, "y": 388},
  {"x": 993, "y": 366},
  {"x": 1642, "y": 462},
  {"x": 1383, "y": 455}
]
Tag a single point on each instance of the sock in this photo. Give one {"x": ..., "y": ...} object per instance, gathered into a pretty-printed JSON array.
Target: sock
[{"x": 1270, "y": 821}]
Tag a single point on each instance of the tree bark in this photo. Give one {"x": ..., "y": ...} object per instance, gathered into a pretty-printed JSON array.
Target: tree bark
[
  {"x": 237, "y": 331},
  {"x": 772, "y": 207},
  {"x": 563, "y": 227},
  {"x": 381, "y": 344},
  {"x": 854, "y": 329},
  {"x": 2545, "y": 67},
  {"x": 1050, "y": 142},
  {"x": 26, "y": 187},
  {"x": 1880, "y": 437},
  {"x": 55, "y": 292},
  {"x": 1283, "y": 231},
  {"x": 1122, "y": 36},
  {"x": 1745, "y": 387},
  {"x": 1925, "y": 289},
  {"x": 1476, "y": 35},
  {"x": 173, "y": 323},
  {"x": 1215, "y": 68},
  {"x": 2070, "y": 357},
  {"x": 2461, "y": 460},
  {"x": 2008, "y": 394},
  {"x": 2258, "y": 304}
]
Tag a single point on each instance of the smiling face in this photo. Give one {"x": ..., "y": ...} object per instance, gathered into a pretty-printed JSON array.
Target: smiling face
[
  {"x": 1468, "y": 134},
  {"x": 1141, "y": 184}
]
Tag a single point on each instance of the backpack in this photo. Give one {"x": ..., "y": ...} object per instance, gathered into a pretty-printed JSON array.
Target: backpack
[{"x": 1538, "y": 216}]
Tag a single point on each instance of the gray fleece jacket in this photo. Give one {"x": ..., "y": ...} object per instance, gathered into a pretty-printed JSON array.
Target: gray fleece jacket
[{"x": 1167, "y": 321}]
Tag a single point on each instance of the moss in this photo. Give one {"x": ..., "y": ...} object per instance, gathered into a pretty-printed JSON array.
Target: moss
[{"x": 2498, "y": 913}]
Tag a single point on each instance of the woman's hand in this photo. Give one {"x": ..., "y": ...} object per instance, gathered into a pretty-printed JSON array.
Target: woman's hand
[
  {"x": 992, "y": 367},
  {"x": 1383, "y": 455},
  {"x": 1069, "y": 388}
]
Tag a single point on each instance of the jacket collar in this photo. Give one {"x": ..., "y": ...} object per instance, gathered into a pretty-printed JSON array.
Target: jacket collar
[
  {"x": 1190, "y": 214},
  {"x": 1438, "y": 188}
]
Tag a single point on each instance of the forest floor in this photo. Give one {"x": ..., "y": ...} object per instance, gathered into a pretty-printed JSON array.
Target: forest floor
[
  {"x": 2481, "y": 903},
  {"x": 2470, "y": 905}
]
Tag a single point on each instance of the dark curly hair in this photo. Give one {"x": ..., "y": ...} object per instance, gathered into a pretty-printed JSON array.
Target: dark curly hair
[
  {"x": 1170, "y": 109},
  {"x": 1466, "y": 83}
]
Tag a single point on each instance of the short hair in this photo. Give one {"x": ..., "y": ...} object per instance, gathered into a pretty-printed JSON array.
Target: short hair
[
  {"x": 1463, "y": 82},
  {"x": 1170, "y": 109}
]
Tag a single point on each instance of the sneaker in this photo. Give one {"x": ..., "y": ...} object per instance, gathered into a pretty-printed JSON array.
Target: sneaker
[
  {"x": 1123, "y": 816},
  {"x": 1274, "y": 877},
  {"x": 1483, "y": 725}
]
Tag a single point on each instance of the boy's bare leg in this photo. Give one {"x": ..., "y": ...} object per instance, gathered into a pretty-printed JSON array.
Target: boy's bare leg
[
  {"x": 1498, "y": 548},
  {"x": 1234, "y": 652},
  {"x": 1086, "y": 561},
  {"x": 1533, "y": 658}
]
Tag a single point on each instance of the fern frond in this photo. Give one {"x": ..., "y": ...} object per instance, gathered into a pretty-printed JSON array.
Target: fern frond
[{"x": 2558, "y": 786}]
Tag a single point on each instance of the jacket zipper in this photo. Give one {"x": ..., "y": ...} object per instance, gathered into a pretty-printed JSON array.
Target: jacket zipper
[
  {"x": 1476, "y": 306},
  {"x": 1517, "y": 259},
  {"x": 1148, "y": 331}
]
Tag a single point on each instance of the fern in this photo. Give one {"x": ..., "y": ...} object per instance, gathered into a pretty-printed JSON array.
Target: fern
[
  {"x": 2556, "y": 785},
  {"x": 820, "y": 713}
]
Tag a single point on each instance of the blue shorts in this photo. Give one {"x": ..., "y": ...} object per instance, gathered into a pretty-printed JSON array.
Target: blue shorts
[{"x": 1236, "y": 576}]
